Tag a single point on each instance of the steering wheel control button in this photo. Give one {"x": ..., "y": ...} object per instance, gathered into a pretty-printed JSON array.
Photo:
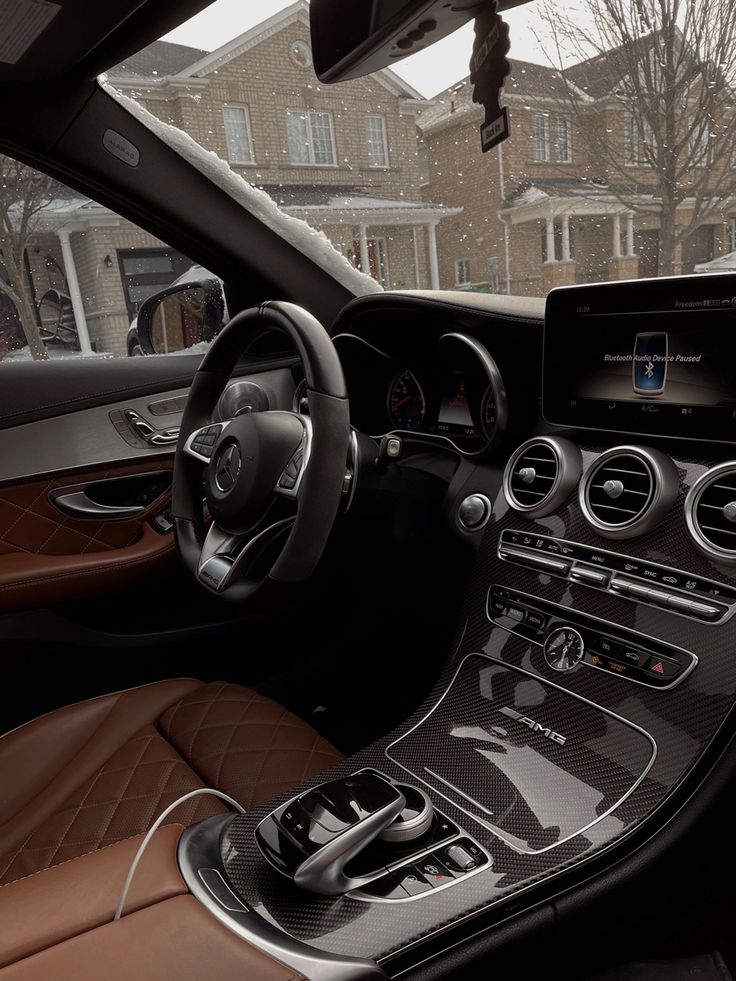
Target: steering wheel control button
[
  {"x": 474, "y": 512},
  {"x": 564, "y": 649}
]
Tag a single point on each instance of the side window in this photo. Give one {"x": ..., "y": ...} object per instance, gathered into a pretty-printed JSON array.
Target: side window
[{"x": 73, "y": 274}]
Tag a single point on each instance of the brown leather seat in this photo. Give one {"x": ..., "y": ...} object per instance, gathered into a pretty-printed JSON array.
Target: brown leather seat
[{"x": 94, "y": 773}]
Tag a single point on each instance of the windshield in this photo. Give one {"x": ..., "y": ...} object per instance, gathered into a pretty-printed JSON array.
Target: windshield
[{"x": 619, "y": 164}]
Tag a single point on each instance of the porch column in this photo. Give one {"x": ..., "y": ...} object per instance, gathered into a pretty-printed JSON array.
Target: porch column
[
  {"x": 551, "y": 257},
  {"x": 617, "y": 236},
  {"x": 565, "y": 238},
  {"x": 434, "y": 265},
  {"x": 70, "y": 270},
  {"x": 630, "y": 235},
  {"x": 415, "y": 240},
  {"x": 365, "y": 259}
]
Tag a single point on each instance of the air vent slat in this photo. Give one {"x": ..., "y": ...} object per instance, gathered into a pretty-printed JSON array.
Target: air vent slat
[
  {"x": 627, "y": 490},
  {"x": 710, "y": 512},
  {"x": 541, "y": 473}
]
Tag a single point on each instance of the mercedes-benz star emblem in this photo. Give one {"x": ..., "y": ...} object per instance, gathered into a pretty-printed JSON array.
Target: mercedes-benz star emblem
[{"x": 228, "y": 468}]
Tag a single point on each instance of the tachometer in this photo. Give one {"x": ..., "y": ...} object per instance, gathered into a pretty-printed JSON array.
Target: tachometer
[{"x": 406, "y": 404}]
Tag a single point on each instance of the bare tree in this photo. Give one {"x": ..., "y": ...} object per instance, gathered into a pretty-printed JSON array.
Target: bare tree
[
  {"x": 671, "y": 66},
  {"x": 24, "y": 193}
]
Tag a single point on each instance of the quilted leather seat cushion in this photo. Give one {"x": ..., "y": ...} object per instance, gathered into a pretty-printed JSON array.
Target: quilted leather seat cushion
[{"x": 217, "y": 735}]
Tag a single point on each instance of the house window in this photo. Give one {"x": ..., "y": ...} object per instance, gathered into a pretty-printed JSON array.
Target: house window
[
  {"x": 375, "y": 131},
  {"x": 700, "y": 146},
  {"x": 732, "y": 234},
  {"x": 494, "y": 278},
  {"x": 311, "y": 137},
  {"x": 237, "y": 134},
  {"x": 631, "y": 154},
  {"x": 564, "y": 140},
  {"x": 540, "y": 136},
  {"x": 462, "y": 272},
  {"x": 423, "y": 161},
  {"x": 649, "y": 141}
]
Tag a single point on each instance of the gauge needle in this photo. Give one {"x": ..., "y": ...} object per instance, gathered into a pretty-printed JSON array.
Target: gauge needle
[{"x": 399, "y": 404}]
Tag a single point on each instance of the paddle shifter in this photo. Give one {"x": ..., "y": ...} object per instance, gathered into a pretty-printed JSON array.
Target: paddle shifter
[{"x": 317, "y": 834}]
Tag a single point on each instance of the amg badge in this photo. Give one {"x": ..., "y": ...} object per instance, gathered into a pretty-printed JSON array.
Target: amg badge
[{"x": 535, "y": 726}]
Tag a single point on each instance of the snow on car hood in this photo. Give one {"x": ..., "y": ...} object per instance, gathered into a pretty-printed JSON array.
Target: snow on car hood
[{"x": 308, "y": 240}]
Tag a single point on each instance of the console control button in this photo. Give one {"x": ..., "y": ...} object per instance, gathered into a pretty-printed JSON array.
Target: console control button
[
  {"x": 591, "y": 577},
  {"x": 543, "y": 563},
  {"x": 414, "y": 883},
  {"x": 537, "y": 621},
  {"x": 434, "y": 871},
  {"x": 462, "y": 857}
]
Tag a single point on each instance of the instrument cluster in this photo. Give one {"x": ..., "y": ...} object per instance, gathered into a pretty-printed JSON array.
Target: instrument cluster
[{"x": 450, "y": 390}]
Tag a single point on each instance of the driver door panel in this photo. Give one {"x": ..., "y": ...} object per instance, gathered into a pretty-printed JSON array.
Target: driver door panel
[{"x": 51, "y": 470}]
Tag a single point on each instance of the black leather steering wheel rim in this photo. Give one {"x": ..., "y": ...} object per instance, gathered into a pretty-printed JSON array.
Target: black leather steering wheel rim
[{"x": 321, "y": 483}]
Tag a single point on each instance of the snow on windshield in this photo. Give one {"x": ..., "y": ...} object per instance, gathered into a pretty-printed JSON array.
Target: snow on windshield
[{"x": 310, "y": 241}]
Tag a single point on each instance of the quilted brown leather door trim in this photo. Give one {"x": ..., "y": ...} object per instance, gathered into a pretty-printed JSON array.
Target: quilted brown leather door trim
[{"x": 47, "y": 557}]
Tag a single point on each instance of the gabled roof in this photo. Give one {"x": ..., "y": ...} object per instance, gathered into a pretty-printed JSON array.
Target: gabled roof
[
  {"x": 158, "y": 60},
  {"x": 297, "y": 12},
  {"x": 525, "y": 79}
]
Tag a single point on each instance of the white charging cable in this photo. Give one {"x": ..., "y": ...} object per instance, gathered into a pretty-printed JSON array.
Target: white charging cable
[{"x": 154, "y": 828}]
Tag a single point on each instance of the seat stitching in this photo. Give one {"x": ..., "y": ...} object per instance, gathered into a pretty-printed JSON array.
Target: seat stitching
[
  {"x": 78, "y": 857},
  {"x": 84, "y": 800},
  {"x": 263, "y": 761},
  {"x": 231, "y": 738}
]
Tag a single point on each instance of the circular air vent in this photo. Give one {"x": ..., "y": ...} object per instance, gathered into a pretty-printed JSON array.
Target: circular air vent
[
  {"x": 541, "y": 473},
  {"x": 628, "y": 490},
  {"x": 710, "y": 512}
]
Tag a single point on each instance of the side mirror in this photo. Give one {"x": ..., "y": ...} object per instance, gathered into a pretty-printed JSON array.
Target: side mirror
[
  {"x": 179, "y": 318},
  {"x": 374, "y": 34}
]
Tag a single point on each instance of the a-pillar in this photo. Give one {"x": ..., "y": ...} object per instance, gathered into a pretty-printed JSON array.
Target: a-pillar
[{"x": 70, "y": 270}]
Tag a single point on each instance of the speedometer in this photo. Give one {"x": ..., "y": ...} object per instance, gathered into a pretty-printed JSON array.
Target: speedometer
[{"x": 406, "y": 404}]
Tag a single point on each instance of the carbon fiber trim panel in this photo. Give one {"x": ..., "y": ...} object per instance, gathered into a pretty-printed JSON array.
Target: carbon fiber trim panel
[{"x": 682, "y": 722}]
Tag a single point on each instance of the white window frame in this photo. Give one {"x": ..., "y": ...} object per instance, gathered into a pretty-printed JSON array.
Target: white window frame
[
  {"x": 544, "y": 117},
  {"x": 462, "y": 271},
  {"x": 563, "y": 124},
  {"x": 309, "y": 114},
  {"x": 248, "y": 132},
  {"x": 732, "y": 234},
  {"x": 384, "y": 141}
]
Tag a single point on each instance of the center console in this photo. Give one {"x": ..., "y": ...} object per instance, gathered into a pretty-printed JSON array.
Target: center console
[{"x": 593, "y": 669}]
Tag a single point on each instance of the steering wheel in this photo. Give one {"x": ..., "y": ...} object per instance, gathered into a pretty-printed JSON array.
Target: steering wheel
[{"x": 269, "y": 476}]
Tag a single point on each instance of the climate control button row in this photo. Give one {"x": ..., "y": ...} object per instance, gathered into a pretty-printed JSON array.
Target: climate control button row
[{"x": 622, "y": 575}]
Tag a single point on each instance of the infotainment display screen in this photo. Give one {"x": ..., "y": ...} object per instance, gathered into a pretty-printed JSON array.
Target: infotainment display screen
[{"x": 645, "y": 357}]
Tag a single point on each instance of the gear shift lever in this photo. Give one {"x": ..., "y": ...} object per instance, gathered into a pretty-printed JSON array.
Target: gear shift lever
[{"x": 313, "y": 837}]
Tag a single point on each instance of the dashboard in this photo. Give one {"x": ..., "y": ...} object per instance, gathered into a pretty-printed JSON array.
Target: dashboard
[{"x": 444, "y": 380}]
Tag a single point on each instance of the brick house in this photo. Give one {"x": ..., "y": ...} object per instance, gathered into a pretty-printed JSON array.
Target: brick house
[
  {"x": 344, "y": 158},
  {"x": 536, "y": 211}
]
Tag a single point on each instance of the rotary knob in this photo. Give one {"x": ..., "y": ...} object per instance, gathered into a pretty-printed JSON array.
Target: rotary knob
[{"x": 564, "y": 649}]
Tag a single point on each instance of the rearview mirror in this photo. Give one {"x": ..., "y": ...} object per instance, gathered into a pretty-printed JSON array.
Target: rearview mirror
[
  {"x": 182, "y": 317},
  {"x": 350, "y": 40}
]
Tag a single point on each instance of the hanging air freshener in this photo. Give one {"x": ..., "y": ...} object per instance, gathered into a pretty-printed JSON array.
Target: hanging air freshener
[{"x": 489, "y": 69}]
